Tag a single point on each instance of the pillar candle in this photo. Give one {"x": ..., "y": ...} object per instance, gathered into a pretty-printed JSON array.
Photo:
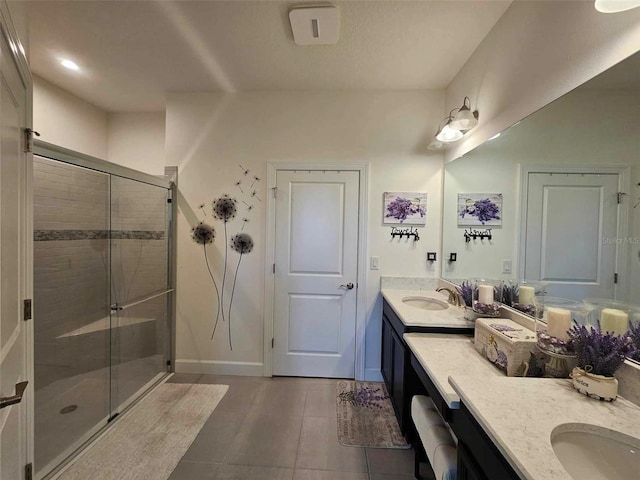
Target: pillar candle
[
  {"x": 485, "y": 294},
  {"x": 558, "y": 322},
  {"x": 526, "y": 294},
  {"x": 614, "y": 321}
]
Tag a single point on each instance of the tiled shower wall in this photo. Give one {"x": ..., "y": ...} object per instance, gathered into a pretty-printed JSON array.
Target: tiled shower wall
[{"x": 75, "y": 210}]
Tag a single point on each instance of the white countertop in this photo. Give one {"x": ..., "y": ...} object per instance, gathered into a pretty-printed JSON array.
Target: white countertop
[
  {"x": 519, "y": 415},
  {"x": 443, "y": 355},
  {"x": 415, "y": 317}
]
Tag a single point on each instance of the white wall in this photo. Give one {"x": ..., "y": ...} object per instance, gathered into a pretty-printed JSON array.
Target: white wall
[
  {"x": 136, "y": 140},
  {"x": 538, "y": 51},
  {"x": 210, "y": 135},
  {"x": 68, "y": 121},
  {"x": 587, "y": 126}
]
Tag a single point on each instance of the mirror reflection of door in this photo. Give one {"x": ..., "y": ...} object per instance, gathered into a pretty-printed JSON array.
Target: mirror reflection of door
[
  {"x": 571, "y": 231},
  {"x": 316, "y": 257}
]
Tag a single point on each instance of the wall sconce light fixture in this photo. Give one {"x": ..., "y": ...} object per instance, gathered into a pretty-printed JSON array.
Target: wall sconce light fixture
[{"x": 453, "y": 127}]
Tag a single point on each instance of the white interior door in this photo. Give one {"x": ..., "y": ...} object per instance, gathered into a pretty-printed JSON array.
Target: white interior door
[
  {"x": 14, "y": 276},
  {"x": 572, "y": 223},
  {"x": 316, "y": 258}
]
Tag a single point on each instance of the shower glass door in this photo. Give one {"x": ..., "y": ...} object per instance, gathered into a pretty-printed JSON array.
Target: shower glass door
[
  {"x": 102, "y": 321},
  {"x": 71, "y": 307},
  {"x": 139, "y": 247}
]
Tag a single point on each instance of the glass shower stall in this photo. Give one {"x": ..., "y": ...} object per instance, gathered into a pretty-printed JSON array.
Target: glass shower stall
[{"x": 103, "y": 296}]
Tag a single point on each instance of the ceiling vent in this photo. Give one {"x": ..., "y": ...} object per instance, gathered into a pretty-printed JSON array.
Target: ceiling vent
[{"x": 315, "y": 25}]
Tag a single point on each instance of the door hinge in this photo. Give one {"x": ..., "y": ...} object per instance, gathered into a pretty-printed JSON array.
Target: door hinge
[
  {"x": 272, "y": 342},
  {"x": 27, "y": 309},
  {"x": 275, "y": 192},
  {"x": 615, "y": 278},
  {"x": 274, "y": 268},
  {"x": 28, "y": 471},
  {"x": 28, "y": 139},
  {"x": 620, "y": 197}
]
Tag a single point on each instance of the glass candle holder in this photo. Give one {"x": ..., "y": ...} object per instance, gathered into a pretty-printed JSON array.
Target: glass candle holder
[
  {"x": 612, "y": 316},
  {"x": 519, "y": 294},
  {"x": 554, "y": 318},
  {"x": 487, "y": 297}
]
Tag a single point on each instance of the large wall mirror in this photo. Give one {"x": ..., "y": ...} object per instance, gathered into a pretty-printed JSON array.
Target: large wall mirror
[{"x": 559, "y": 192}]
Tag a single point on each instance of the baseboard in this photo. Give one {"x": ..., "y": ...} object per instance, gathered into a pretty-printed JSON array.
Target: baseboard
[
  {"x": 213, "y": 367},
  {"x": 372, "y": 375}
]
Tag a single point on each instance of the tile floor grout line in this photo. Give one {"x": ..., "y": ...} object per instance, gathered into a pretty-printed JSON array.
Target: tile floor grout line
[{"x": 295, "y": 460}]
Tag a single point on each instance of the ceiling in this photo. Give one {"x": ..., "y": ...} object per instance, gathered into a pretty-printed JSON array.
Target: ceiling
[{"x": 132, "y": 53}]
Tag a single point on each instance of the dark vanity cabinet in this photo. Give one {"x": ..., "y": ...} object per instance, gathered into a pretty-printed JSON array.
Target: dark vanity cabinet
[{"x": 400, "y": 379}]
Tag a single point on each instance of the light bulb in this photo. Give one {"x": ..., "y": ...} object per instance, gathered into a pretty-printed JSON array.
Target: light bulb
[{"x": 448, "y": 134}]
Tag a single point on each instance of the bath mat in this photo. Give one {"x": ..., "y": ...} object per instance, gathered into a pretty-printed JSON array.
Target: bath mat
[
  {"x": 366, "y": 417},
  {"x": 148, "y": 441}
]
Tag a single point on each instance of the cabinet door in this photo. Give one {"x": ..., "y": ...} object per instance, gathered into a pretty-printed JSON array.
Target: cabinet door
[
  {"x": 467, "y": 468},
  {"x": 387, "y": 354},
  {"x": 398, "y": 377}
]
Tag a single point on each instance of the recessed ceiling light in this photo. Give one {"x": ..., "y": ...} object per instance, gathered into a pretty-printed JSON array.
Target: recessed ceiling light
[{"x": 69, "y": 64}]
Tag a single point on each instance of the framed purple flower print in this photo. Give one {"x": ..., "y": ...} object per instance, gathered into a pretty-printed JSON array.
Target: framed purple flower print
[
  {"x": 479, "y": 209},
  {"x": 406, "y": 208}
]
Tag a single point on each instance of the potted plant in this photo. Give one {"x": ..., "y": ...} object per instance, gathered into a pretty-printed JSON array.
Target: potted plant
[
  {"x": 634, "y": 332},
  {"x": 598, "y": 356}
]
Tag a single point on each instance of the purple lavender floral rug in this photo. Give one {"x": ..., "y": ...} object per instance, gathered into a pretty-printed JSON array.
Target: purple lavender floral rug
[{"x": 366, "y": 417}]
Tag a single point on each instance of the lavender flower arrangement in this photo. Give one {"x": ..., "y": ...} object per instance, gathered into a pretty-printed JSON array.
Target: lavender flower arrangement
[
  {"x": 466, "y": 290},
  {"x": 510, "y": 294},
  {"x": 401, "y": 208},
  {"x": 600, "y": 353},
  {"x": 484, "y": 210},
  {"x": 634, "y": 334}
]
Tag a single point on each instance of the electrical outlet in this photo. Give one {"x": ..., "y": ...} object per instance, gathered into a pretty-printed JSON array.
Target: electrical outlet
[
  {"x": 506, "y": 266},
  {"x": 374, "y": 263}
]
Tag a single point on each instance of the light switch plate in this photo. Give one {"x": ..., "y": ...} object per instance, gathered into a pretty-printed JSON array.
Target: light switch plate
[
  {"x": 506, "y": 266},
  {"x": 374, "y": 263}
]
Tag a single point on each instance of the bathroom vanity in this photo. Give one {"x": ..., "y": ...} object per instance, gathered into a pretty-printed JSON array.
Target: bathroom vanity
[
  {"x": 519, "y": 428},
  {"x": 400, "y": 317}
]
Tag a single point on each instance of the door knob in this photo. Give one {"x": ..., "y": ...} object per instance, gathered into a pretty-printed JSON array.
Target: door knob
[
  {"x": 348, "y": 286},
  {"x": 17, "y": 398}
]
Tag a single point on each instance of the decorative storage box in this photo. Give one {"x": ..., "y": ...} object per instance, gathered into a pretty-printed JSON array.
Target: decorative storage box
[{"x": 504, "y": 343}]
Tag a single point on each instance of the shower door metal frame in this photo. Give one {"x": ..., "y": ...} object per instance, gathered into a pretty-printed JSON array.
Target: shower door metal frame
[{"x": 61, "y": 154}]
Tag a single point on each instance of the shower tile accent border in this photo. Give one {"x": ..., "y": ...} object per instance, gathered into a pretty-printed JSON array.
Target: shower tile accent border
[
  {"x": 52, "y": 235},
  {"x": 408, "y": 283}
]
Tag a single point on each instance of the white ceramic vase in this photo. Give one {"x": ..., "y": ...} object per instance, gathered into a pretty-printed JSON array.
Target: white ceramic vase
[{"x": 595, "y": 386}]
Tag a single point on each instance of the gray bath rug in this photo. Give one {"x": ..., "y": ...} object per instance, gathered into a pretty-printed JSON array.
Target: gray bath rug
[
  {"x": 366, "y": 417},
  {"x": 148, "y": 441}
]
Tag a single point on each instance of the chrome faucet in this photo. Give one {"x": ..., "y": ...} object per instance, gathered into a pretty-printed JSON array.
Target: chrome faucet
[{"x": 454, "y": 297}]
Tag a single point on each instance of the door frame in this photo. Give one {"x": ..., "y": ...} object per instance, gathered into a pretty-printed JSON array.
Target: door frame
[
  {"x": 269, "y": 276},
  {"x": 18, "y": 56},
  {"x": 624, "y": 185}
]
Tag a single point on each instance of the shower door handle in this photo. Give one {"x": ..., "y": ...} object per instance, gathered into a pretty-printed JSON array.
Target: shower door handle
[{"x": 17, "y": 398}]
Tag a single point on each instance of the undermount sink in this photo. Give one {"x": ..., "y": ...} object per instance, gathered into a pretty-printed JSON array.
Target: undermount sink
[
  {"x": 425, "y": 303},
  {"x": 596, "y": 453}
]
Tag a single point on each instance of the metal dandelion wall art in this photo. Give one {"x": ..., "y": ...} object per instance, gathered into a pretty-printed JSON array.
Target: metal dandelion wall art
[
  {"x": 204, "y": 235},
  {"x": 243, "y": 244},
  {"x": 224, "y": 208}
]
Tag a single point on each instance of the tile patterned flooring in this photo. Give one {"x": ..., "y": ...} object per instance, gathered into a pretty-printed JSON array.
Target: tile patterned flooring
[{"x": 281, "y": 429}]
